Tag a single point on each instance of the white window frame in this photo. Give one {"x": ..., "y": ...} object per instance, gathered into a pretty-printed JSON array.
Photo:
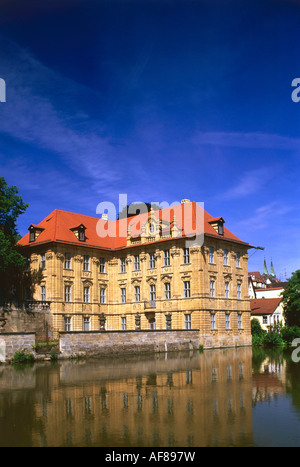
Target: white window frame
[
  {"x": 226, "y": 262},
  {"x": 227, "y": 321},
  {"x": 238, "y": 260},
  {"x": 166, "y": 258},
  {"x": 226, "y": 289},
  {"x": 67, "y": 293},
  {"x": 211, "y": 255},
  {"x": 213, "y": 321},
  {"x": 102, "y": 295},
  {"x": 151, "y": 261},
  {"x": 86, "y": 323},
  {"x": 43, "y": 261},
  {"x": 187, "y": 289},
  {"x": 102, "y": 265},
  {"x": 136, "y": 262},
  {"x": 123, "y": 295},
  {"x": 167, "y": 291},
  {"x": 67, "y": 260},
  {"x": 187, "y": 321},
  {"x": 86, "y": 263},
  {"x": 186, "y": 255},
  {"x": 152, "y": 293},
  {"x": 137, "y": 293},
  {"x": 239, "y": 291},
  {"x": 122, "y": 265},
  {"x": 240, "y": 323},
  {"x": 43, "y": 292},
  {"x": 212, "y": 289},
  {"x": 67, "y": 324},
  {"x": 86, "y": 295},
  {"x": 123, "y": 323}
]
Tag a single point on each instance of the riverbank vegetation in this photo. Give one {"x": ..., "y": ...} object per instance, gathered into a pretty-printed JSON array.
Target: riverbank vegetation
[{"x": 277, "y": 336}]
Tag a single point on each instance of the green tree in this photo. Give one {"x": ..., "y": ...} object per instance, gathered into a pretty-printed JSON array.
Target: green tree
[
  {"x": 291, "y": 300},
  {"x": 137, "y": 208},
  {"x": 11, "y": 260}
]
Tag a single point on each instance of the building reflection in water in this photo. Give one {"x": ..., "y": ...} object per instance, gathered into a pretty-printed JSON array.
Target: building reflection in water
[{"x": 166, "y": 400}]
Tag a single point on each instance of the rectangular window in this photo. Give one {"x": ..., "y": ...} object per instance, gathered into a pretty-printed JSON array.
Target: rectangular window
[
  {"x": 211, "y": 254},
  {"x": 122, "y": 265},
  {"x": 212, "y": 289},
  {"x": 186, "y": 255},
  {"x": 123, "y": 324},
  {"x": 137, "y": 293},
  {"x": 225, "y": 257},
  {"x": 102, "y": 295},
  {"x": 167, "y": 291},
  {"x": 166, "y": 258},
  {"x": 212, "y": 321},
  {"x": 67, "y": 261},
  {"x": 86, "y": 294},
  {"x": 28, "y": 264},
  {"x": 151, "y": 261},
  {"x": 168, "y": 321},
  {"x": 86, "y": 263},
  {"x": 187, "y": 321},
  {"x": 239, "y": 292},
  {"x": 43, "y": 261},
  {"x": 136, "y": 263},
  {"x": 32, "y": 236},
  {"x": 152, "y": 294},
  {"x": 265, "y": 320},
  {"x": 67, "y": 293},
  {"x": 187, "y": 289},
  {"x": 81, "y": 235},
  {"x": 238, "y": 260},
  {"x": 227, "y": 321},
  {"x": 152, "y": 324},
  {"x": 239, "y": 321},
  {"x": 43, "y": 292},
  {"x": 67, "y": 324},
  {"x": 123, "y": 295},
  {"x": 226, "y": 289},
  {"x": 86, "y": 324},
  {"x": 102, "y": 264}
]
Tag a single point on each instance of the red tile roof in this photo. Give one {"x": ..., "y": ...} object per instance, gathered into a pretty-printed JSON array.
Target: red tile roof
[
  {"x": 264, "y": 306},
  {"x": 100, "y": 233}
]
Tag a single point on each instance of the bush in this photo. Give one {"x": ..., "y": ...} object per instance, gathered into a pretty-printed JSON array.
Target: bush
[
  {"x": 257, "y": 332},
  {"x": 22, "y": 357},
  {"x": 272, "y": 339},
  {"x": 289, "y": 334}
]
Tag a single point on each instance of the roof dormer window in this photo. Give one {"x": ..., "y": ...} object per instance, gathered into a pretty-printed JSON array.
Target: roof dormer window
[
  {"x": 79, "y": 232},
  {"x": 34, "y": 232},
  {"x": 218, "y": 225}
]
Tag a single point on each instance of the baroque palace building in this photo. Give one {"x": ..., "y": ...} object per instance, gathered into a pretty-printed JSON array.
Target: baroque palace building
[{"x": 174, "y": 268}]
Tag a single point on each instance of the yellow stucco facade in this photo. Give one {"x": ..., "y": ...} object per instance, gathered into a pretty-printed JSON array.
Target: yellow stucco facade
[{"x": 155, "y": 285}]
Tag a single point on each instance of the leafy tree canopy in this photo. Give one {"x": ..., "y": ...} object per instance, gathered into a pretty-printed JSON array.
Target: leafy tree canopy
[
  {"x": 291, "y": 300},
  {"x": 137, "y": 208},
  {"x": 11, "y": 206}
]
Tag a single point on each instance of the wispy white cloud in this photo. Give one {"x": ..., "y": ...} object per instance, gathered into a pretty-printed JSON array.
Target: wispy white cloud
[
  {"x": 33, "y": 114},
  {"x": 254, "y": 140},
  {"x": 250, "y": 183},
  {"x": 266, "y": 214}
]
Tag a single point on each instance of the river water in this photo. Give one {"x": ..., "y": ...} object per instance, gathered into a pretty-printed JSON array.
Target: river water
[{"x": 233, "y": 397}]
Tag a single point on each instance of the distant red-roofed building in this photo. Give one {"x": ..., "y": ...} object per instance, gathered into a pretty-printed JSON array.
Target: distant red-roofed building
[{"x": 269, "y": 311}]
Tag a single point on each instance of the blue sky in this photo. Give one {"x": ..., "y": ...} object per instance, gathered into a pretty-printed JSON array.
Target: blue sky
[{"x": 160, "y": 100}]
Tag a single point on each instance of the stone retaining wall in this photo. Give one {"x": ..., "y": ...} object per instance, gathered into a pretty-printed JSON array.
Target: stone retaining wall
[
  {"x": 126, "y": 342},
  {"x": 11, "y": 343}
]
